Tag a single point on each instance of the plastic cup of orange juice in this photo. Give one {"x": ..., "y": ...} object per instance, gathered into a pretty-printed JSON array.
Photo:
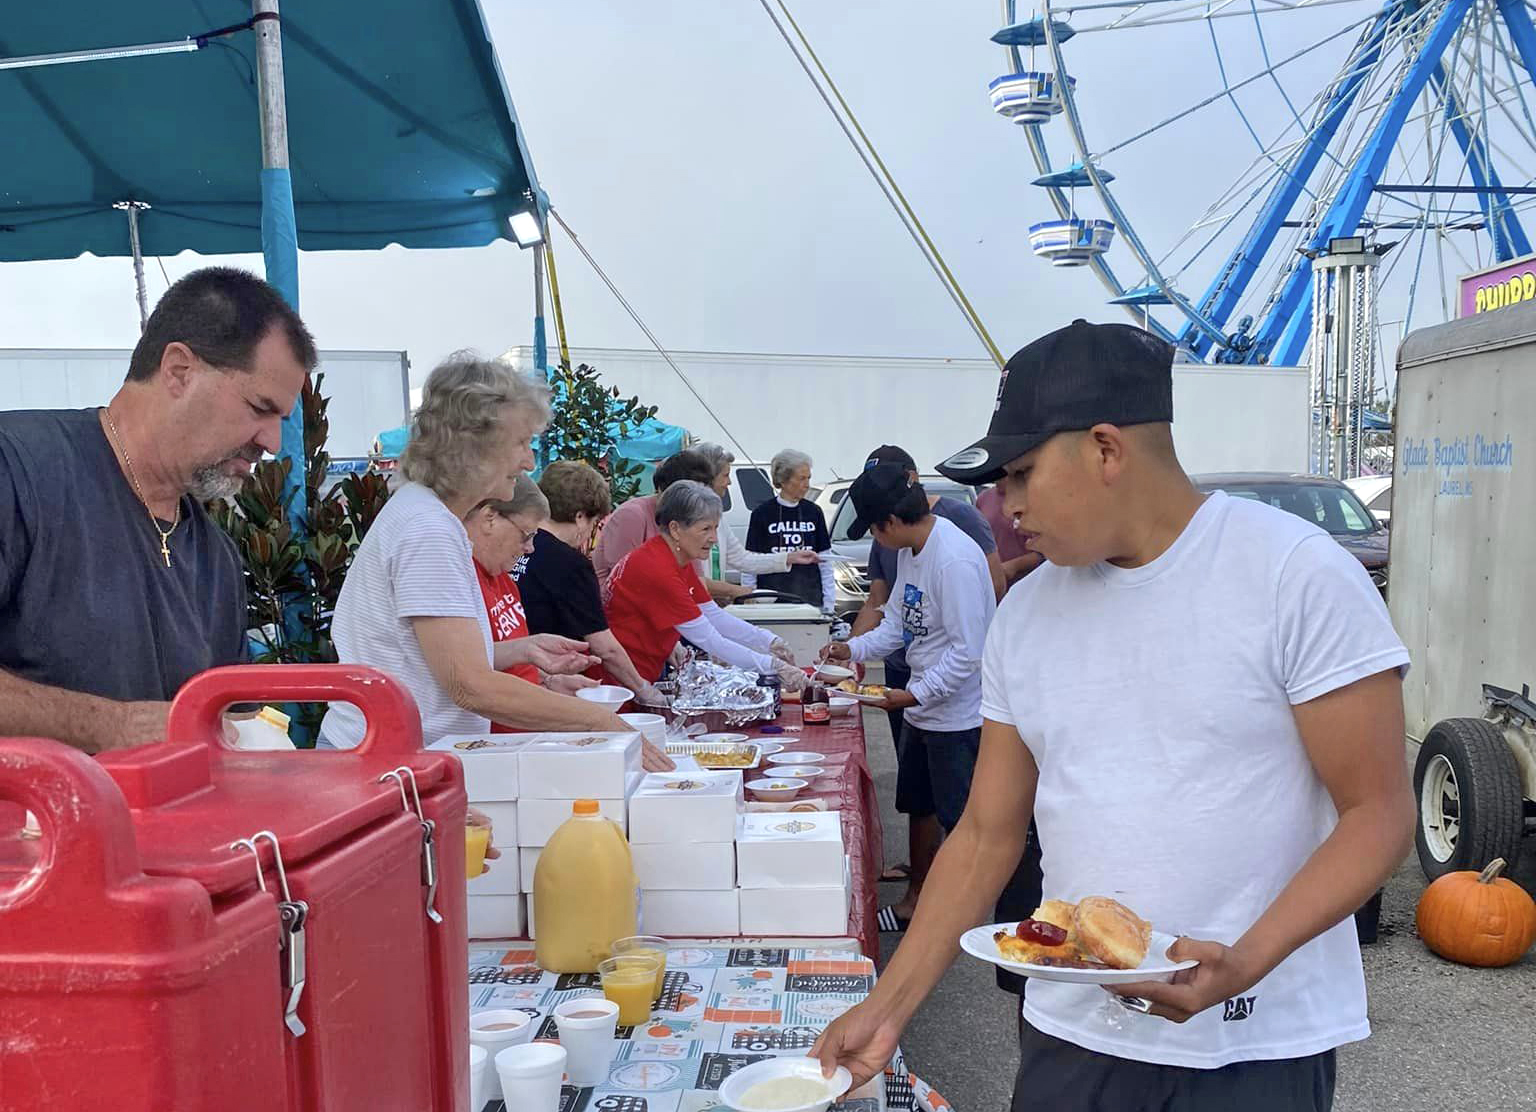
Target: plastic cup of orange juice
[
  {"x": 630, "y": 982},
  {"x": 646, "y": 946},
  {"x": 477, "y": 839}
]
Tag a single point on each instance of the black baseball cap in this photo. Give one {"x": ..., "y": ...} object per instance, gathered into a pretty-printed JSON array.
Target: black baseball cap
[
  {"x": 1069, "y": 380},
  {"x": 876, "y": 494},
  {"x": 889, "y": 453}
]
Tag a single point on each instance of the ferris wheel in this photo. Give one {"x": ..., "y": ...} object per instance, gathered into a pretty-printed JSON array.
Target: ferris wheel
[{"x": 1199, "y": 154}]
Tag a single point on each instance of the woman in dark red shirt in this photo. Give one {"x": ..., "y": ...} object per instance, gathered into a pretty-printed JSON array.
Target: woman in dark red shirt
[{"x": 654, "y": 597}]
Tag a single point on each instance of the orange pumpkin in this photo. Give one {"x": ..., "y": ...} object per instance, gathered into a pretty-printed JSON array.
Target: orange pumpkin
[{"x": 1477, "y": 918}]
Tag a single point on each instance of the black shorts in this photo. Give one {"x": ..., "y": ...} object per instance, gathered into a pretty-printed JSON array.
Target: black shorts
[
  {"x": 1058, "y": 1076},
  {"x": 896, "y": 676},
  {"x": 933, "y": 772}
]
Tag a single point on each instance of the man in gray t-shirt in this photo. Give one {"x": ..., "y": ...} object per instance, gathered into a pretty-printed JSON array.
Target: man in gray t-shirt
[{"x": 116, "y": 586}]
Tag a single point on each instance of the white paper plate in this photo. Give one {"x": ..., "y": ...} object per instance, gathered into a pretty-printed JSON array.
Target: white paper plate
[
  {"x": 799, "y": 757},
  {"x": 978, "y": 943},
  {"x": 861, "y": 698}
]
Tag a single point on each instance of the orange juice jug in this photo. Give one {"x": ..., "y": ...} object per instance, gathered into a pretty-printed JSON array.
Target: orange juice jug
[{"x": 583, "y": 892}]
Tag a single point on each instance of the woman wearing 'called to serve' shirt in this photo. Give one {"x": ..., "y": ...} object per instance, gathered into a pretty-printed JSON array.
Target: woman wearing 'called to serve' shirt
[
  {"x": 789, "y": 523},
  {"x": 655, "y": 597}
]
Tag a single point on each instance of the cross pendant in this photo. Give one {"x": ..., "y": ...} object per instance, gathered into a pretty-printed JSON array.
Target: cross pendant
[{"x": 165, "y": 551}]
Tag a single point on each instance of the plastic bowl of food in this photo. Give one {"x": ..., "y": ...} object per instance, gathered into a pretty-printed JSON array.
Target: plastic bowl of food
[
  {"x": 798, "y": 772},
  {"x": 777, "y": 789},
  {"x": 841, "y": 706},
  {"x": 800, "y": 757},
  {"x": 784, "y": 1085},
  {"x": 769, "y": 748},
  {"x": 833, "y": 673},
  {"x": 607, "y": 694},
  {"x": 719, "y": 739}
]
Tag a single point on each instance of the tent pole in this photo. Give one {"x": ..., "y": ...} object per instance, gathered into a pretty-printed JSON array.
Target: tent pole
[
  {"x": 279, "y": 231},
  {"x": 540, "y": 341},
  {"x": 133, "y": 208}
]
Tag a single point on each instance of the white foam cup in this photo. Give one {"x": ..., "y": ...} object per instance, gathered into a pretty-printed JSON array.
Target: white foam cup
[
  {"x": 485, "y": 1031},
  {"x": 588, "y": 1039},
  {"x": 530, "y": 1076}
]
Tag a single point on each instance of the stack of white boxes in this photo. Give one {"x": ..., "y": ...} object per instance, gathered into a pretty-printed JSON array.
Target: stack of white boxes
[
  {"x": 794, "y": 874},
  {"x": 525, "y": 783},
  {"x": 682, "y": 832}
]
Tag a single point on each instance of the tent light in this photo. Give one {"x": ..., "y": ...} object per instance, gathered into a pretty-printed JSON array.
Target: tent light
[{"x": 525, "y": 229}]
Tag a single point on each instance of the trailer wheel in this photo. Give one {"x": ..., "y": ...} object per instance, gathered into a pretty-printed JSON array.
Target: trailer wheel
[{"x": 1470, "y": 803}]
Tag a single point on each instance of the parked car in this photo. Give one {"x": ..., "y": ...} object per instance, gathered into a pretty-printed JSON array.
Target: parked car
[
  {"x": 1327, "y": 503},
  {"x": 850, "y": 568},
  {"x": 1376, "y": 492}
]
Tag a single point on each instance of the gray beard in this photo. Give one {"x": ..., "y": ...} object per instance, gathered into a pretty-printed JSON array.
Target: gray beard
[{"x": 209, "y": 484}]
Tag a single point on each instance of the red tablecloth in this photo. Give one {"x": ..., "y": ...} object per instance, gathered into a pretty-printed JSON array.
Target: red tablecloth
[{"x": 848, "y": 788}]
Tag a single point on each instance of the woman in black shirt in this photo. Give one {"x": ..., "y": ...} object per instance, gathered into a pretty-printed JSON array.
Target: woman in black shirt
[
  {"x": 557, "y": 580},
  {"x": 790, "y": 522}
]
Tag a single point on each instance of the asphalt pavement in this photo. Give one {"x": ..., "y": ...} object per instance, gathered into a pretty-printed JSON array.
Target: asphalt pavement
[{"x": 1446, "y": 1038}]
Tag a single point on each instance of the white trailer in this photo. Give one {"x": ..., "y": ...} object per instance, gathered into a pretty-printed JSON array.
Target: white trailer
[
  {"x": 368, "y": 390},
  {"x": 1463, "y": 534},
  {"x": 838, "y": 407}
]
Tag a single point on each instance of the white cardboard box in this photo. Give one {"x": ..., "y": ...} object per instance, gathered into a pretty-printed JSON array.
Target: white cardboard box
[
  {"x": 503, "y": 877},
  {"x": 496, "y": 916},
  {"x": 490, "y": 763},
  {"x": 503, "y": 818},
  {"x": 538, "y": 819},
  {"x": 578, "y": 766},
  {"x": 685, "y": 807},
  {"x": 801, "y": 849},
  {"x": 795, "y": 911},
  {"x": 691, "y": 866},
  {"x": 693, "y": 914},
  {"x": 527, "y": 862}
]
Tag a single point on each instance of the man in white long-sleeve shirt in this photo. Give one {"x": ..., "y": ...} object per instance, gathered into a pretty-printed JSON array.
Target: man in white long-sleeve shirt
[{"x": 940, "y": 607}]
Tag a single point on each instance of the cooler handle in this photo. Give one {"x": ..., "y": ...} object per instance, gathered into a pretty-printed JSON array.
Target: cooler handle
[
  {"x": 88, "y": 846},
  {"x": 391, "y": 722}
]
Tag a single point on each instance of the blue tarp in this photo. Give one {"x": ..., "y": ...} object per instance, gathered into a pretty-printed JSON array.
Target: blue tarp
[
  {"x": 653, "y": 440},
  {"x": 400, "y": 129}
]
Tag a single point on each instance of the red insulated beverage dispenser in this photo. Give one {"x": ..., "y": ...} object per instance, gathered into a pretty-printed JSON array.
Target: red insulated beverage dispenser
[{"x": 202, "y": 928}]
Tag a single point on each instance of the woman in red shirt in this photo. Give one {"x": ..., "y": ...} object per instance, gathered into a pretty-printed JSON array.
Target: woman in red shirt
[
  {"x": 501, "y": 535},
  {"x": 654, "y": 597}
]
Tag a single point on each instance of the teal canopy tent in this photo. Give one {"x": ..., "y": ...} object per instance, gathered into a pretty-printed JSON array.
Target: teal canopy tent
[{"x": 211, "y": 126}]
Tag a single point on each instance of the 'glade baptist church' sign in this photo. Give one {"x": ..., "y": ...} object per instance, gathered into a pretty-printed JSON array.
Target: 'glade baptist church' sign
[{"x": 1507, "y": 284}]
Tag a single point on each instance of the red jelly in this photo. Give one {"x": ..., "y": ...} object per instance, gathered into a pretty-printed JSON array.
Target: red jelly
[{"x": 1045, "y": 934}]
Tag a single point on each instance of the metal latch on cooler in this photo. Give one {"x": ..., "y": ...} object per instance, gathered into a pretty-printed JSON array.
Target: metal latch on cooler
[
  {"x": 292, "y": 914},
  {"x": 428, "y": 834}
]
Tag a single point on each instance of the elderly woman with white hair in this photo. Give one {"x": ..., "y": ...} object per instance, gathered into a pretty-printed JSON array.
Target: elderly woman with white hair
[
  {"x": 412, "y": 605},
  {"x": 655, "y": 597},
  {"x": 789, "y": 523}
]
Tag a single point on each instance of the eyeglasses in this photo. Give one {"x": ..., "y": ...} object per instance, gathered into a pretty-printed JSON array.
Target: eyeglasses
[{"x": 526, "y": 535}]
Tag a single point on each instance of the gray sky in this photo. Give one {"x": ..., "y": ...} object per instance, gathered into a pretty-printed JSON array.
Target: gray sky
[{"x": 682, "y": 142}]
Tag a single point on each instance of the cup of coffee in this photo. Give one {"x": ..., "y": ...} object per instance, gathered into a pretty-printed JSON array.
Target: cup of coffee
[
  {"x": 495, "y": 1030},
  {"x": 530, "y": 1076},
  {"x": 587, "y": 1029}
]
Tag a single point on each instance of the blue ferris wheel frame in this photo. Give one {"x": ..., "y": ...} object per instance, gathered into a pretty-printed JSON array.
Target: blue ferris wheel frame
[{"x": 1283, "y": 330}]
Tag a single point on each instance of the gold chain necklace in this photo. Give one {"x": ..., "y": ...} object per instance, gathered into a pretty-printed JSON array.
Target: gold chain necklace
[{"x": 165, "y": 534}]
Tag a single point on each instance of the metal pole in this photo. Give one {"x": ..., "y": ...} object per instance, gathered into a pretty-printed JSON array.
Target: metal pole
[
  {"x": 133, "y": 208},
  {"x": 279, "y": 228},
  {"x": 540, "y": 339}
]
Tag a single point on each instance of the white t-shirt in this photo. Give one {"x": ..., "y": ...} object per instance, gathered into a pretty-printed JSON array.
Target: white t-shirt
[
  {"x": 415, "y": 562},
  {"x": 939, "y": 609},
  {"x": 1157, "y": 704}
]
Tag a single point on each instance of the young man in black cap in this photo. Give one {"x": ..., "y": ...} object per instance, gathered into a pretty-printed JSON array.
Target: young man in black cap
[
  {"x": 940, "y": 606},
  {"x": 1214, "y": 737},
  {"x": 914, "y": 789}
]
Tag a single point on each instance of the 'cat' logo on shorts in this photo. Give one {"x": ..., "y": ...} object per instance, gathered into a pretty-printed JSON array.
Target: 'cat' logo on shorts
[{"x": 1239, "y": 1007}]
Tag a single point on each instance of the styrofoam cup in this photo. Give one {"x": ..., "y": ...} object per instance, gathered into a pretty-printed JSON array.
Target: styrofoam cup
[
  {"x": 479, "y": 1060},
  {"x": 653, "y": 727},
  {"x": 530, "y": 1076},
  {"x": 588, "y": 1038},
  {"x": 498, "y": 1038}
]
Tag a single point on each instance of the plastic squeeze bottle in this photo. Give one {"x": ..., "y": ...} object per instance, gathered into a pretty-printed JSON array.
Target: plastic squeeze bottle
[{"x": 583, "y": 892}]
